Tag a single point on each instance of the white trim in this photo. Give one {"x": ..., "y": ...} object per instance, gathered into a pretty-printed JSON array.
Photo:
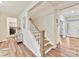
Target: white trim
[{"x": 7, "y": 27}]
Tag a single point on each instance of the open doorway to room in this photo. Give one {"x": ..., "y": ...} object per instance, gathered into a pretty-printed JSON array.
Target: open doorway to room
[
  {"x": 69, "y": 31},
  {"x": 12, "y": 30},
  {"x": 11, "y": 25}
]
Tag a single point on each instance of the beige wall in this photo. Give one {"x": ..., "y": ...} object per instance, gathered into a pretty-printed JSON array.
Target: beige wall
[
  {"x": 43, "y": 17},
  {"x": 3, "y": 26}
]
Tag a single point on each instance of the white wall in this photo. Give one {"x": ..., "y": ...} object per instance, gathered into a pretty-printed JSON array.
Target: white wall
[
  {"x": 3, "y": 26},
  {"x": 43, "y": 17},
  {"x": 28, "y": 38}
]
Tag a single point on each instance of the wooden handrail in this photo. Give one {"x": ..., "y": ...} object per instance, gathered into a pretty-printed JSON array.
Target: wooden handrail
[{"x": 34, "y": 24}]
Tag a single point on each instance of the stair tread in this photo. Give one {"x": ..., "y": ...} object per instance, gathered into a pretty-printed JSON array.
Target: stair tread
[
  {"x": 48, "y": 46},
  {"x": 46, "y": 41}
]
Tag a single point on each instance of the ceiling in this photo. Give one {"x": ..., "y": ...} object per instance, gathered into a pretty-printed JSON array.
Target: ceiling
[
  {"x": 69, "y": 9},
  {"x": 14, "y": 8},
  {"x": 71, "y": 13},
  {"x": 54, "y": 3}
]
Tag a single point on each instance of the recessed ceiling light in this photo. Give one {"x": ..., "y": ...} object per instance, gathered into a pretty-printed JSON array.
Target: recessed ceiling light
[{"x": 72, "y": 11}]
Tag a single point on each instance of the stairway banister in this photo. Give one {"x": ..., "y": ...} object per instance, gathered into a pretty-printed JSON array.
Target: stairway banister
[
  {"x": 42, "y": 37},
  {"x": 34, "y": 24}
]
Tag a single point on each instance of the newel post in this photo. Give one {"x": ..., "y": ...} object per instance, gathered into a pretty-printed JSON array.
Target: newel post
[{"x": 42, "y": 37}]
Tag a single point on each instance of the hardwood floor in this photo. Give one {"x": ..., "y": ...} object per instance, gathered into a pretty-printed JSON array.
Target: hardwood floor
[
  {"x": 68, "y": 49},
  {"x": 16, "y": 50},
  {"x": 25, "y": 51}
]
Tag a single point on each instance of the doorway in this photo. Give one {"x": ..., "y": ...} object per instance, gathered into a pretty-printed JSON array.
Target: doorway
[
  {"x": 11, "y": 25},
  {"x": 12, "y": 30}
]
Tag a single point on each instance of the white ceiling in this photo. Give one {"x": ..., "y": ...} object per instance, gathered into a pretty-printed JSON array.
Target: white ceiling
[
  {"x": 54, "y": 3},
  {"x": 69, "y": 14},
  {"x": 66, "y": 7},
  {"x": 14, "y": 8}
]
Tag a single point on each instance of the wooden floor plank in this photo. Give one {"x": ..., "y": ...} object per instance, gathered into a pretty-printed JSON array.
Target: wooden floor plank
[
  {"x": 22, "y": 51},
  {"x": 26, "y": 51},
  {"x": 16, "y": 50},
  {"x": 66, "y": 51}
]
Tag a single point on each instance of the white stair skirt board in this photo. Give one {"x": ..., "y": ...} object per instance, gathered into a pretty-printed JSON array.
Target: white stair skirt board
[{"x": 53, "y": 47}]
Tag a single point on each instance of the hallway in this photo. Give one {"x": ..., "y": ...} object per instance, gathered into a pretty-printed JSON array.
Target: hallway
[
  {"x": 65, "y": 51},
  {"x": 38, "y": 25}
]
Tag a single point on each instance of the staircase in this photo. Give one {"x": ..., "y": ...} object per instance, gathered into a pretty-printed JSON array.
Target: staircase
[{"x": 45, "y": 45}]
